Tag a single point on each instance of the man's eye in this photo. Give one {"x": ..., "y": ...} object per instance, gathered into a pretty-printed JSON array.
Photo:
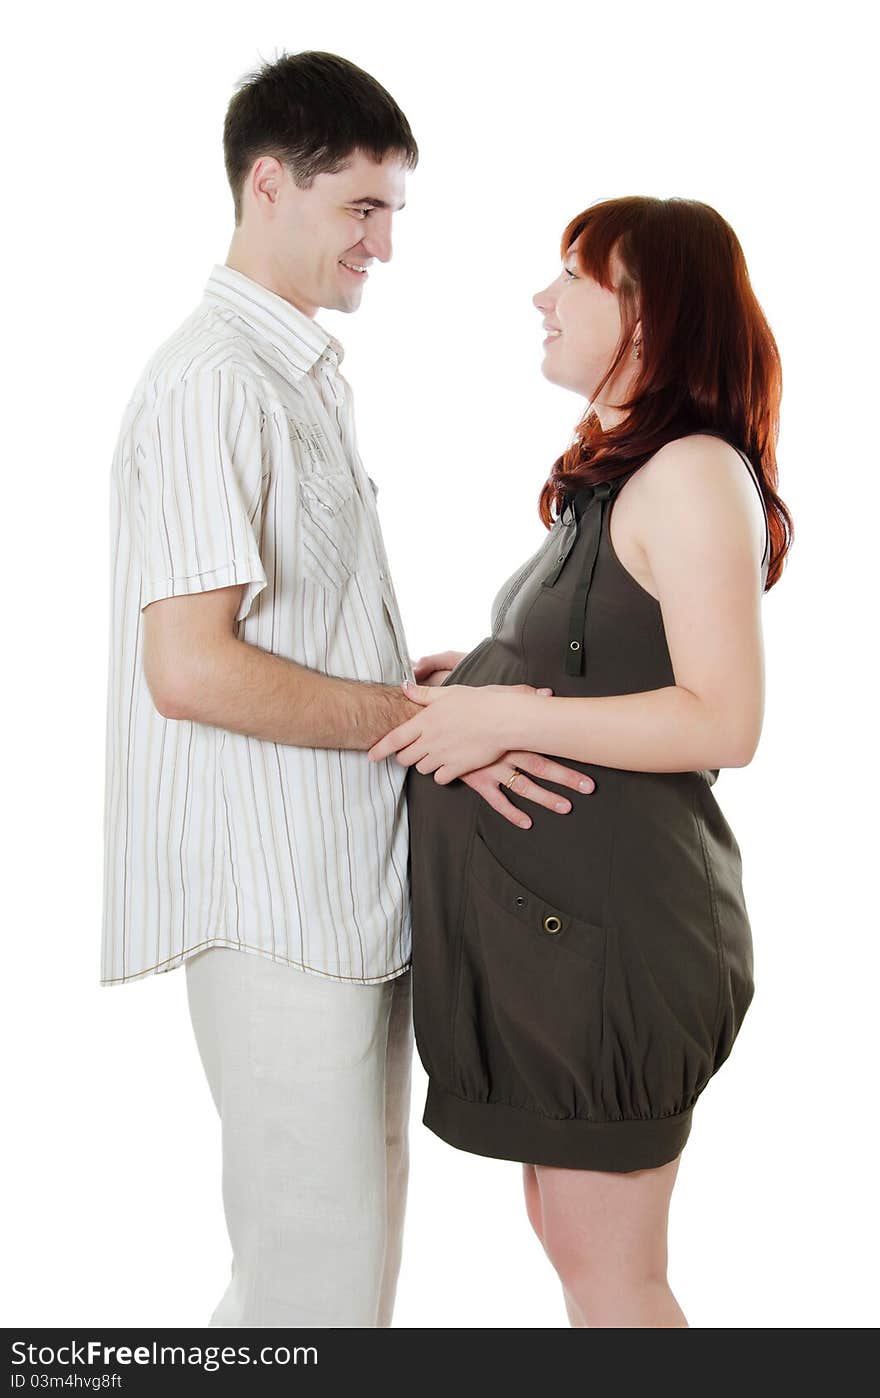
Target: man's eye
[{"x": 362, "y": 212}]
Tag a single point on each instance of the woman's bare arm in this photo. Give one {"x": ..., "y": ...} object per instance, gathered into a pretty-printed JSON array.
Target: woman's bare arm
[{"x": 701, "y": 527}]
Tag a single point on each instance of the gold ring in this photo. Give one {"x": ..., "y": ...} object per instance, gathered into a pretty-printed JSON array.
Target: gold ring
[{"x": 512, "y": 778}]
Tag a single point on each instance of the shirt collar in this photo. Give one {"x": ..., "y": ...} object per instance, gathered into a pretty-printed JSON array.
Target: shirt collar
[{"x": 296, "y": 337}]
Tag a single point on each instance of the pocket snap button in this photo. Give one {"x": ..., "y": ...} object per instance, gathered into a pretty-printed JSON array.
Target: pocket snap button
[
  {"x": 552, "y": 924},
  {"x": 519, "y": 900}
]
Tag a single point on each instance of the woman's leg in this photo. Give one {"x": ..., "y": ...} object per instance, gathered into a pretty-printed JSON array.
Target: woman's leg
[
  {"x": 606, "y": 1236},
  {"x": 535, "y": 1213}
]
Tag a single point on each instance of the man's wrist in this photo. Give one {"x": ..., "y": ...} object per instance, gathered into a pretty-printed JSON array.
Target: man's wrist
[{"x": 386, "y": 708}]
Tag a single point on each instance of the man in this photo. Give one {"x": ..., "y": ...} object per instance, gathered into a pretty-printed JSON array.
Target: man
[{"x": 257, "y": 653}]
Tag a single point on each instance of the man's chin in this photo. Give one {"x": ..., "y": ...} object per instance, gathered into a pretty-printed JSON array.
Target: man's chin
[{"x": 345, "y": 303}]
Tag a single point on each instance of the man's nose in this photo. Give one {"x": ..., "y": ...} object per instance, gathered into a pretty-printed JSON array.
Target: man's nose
[{"x": 378, "y": 241}]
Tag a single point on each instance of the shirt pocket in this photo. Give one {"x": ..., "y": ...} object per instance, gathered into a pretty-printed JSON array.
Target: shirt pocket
[{"x": 329, "y": 513}]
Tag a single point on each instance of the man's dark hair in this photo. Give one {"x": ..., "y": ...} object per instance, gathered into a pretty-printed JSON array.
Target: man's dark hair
[{"x": 311, "y": 111}]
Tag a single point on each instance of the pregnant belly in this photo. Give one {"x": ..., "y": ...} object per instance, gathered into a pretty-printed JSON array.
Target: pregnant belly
[
  {"x": 561, "y": 858},
  {"x": 490, "y": 662},
  {"x": 629, "y": 849}
]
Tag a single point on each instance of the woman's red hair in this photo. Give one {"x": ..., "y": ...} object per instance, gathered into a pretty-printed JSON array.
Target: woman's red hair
[{"x": 708, "y": 357}]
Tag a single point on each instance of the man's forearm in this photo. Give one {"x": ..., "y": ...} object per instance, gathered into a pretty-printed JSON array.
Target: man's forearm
[{"x": 245, "y": 689}]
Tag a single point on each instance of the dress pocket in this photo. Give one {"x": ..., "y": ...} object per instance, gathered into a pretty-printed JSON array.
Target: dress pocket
[
  {"x": 329, "y": 526},
  {"x": 529, "y": 1012}
]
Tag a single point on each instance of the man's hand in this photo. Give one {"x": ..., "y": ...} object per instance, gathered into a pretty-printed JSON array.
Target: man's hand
[
  {"x": 457, "y": 730},
  {"x": 491, "y": 783}
]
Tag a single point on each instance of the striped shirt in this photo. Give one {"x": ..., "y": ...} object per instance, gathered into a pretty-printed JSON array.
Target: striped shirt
[{"x": 237, "y": 463}]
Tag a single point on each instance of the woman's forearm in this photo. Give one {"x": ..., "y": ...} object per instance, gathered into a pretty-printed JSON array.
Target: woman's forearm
[{"x": 660, "y": 730}]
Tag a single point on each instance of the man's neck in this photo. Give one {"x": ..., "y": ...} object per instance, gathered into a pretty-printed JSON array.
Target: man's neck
[{"x": 257, "y": 264}]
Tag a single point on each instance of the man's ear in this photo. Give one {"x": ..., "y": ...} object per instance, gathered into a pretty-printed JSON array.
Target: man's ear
[{"x": 265, "y": 179}]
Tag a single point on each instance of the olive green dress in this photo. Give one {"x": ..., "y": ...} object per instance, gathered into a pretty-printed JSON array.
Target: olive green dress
[{"x": 577, "y": 984}]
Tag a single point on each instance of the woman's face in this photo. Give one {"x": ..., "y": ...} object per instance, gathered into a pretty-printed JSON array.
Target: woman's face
[{"x": 583, "y": 325}]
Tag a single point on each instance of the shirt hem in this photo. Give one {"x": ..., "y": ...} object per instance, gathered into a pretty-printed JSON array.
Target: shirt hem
[{"x": 173, "y": 962}]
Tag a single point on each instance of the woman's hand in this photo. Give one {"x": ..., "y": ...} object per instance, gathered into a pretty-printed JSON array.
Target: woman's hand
[
  {"x": 434, "y": 669},
  {"x": 459, "y": 729}
]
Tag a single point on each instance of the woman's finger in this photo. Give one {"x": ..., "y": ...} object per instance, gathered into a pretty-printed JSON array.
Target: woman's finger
[
  {"x": 444, "y": 660},
  {"x": 412, "y": 753},
  {"x": 423, "y": 669},
  {"x": 397, "y": 738},
  {"x": 427, "y": 764},
  {"x": 516, "y": 689}
]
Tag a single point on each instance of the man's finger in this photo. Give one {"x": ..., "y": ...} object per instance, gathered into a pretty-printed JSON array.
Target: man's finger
[
  {"x": 531, "y": 791},
  {"x": 547, "y": 770},
  {"x": 493, "y": 796}
]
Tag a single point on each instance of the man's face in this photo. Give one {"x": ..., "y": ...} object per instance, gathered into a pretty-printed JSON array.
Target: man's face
[{"x": 315, "y": 239}]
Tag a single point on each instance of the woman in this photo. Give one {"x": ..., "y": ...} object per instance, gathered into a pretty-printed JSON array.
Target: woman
[{"x": 578, "y": 982}]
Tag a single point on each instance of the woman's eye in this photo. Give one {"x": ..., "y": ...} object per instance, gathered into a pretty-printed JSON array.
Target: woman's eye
[{"x": 567, "y": 273}]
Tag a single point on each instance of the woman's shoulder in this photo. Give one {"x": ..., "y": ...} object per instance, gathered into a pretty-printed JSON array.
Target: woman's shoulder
[
  {"x": 697, "y": 450},
  {"x": 698, "y": 478},
  {"x": 698, "y": 465}
]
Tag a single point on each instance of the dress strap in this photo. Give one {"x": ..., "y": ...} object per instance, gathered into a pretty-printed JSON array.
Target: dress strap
[
  {"x": 590, "y": 522},
  {"x": 568, "y": 519}
]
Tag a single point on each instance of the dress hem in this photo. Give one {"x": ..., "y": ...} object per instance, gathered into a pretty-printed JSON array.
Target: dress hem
[{"x": 509, "y": 1133}]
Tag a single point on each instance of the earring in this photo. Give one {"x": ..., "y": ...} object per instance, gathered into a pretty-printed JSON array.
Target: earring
[{"x": 637, "y": 349}]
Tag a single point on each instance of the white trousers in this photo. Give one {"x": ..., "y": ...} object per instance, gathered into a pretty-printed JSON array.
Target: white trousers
[{"x": 311, "y": 1078}]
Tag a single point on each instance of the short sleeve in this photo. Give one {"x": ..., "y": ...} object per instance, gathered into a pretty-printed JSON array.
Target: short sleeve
[{"x": 199, "y": 489}]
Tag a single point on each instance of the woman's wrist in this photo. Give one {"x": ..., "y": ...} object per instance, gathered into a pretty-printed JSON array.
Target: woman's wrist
[{"x": 517, "y": 717}]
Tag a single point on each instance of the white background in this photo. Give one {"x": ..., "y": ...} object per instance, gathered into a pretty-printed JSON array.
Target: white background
[{"x": 116, "y": 209}]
